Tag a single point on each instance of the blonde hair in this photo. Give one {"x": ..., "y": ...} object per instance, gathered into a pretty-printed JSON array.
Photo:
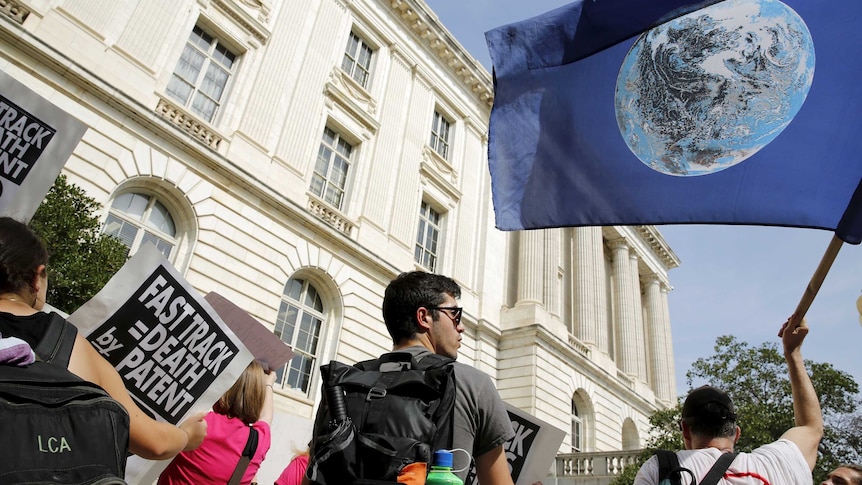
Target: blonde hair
[{"x": 244, "y": 400}]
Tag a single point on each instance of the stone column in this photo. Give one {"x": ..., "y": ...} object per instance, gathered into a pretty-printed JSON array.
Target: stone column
[
  {"x": 625, "y": 320},
  {"x": 660, "y": 373},
  {"x": 531, "y": 248},
  {"x": 668, "y": 394},
  {"x": 590, "y": 292},
  {"x": 640, "y": 342},
  {"x": 552, "y": 270}
]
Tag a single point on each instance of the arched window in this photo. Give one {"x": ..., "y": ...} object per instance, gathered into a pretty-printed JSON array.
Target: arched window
[
  {"x": 300, "y": 318},
  {"x": 137, "y": 218},
  {"x": 577, "y": 429}
]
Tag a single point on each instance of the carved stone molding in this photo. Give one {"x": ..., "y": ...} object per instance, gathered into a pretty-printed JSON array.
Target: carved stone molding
[
  {"x": 263, "y": 7},
  {"x": 579, "y": 346},
  {"x": 342, "y": 91},
  {"x": 619, "y": 243},
  {"x": 440, "y": 172},
  {"x": 188, "y": 123},
  {"x": 251, "y": 15},
  {"x": 653, "y": 237},
  {"x": 329, "y": 215},
  {"x": 447, "y": 49},
  {"x": 14, "y": 10},
  {"x": 340, "y": 78}
]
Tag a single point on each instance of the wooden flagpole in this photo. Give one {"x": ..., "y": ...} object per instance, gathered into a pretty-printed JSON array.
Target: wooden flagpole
[{"x": 819, "y": 276}]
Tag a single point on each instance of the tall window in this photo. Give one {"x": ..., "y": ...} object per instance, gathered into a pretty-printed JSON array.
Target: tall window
[
  {"x": 330, "y": 172},
  {"x": 440, "y": 135},
  {"x": 298, "y": 325},
  {"x": 427, "y": 237},
  {"x": 202, "y": 74},
  {"x": 136, "y": 218},
  {"x": 577, "y": 430},
  {"x": 357, "y": 60}
]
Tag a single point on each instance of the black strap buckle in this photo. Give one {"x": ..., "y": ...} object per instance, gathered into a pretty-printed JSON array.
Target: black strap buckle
[{"x": 375, "y": 393}]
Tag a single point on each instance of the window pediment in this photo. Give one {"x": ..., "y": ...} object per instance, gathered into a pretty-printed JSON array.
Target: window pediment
[
  {"x": 252, "y": 15},
  {"x": 441, "y": 172},
  {"x": 353, "y": 98}
]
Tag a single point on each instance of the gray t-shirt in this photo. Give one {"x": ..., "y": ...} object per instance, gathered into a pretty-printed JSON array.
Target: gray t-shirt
[{"x": 481, "y": 420}]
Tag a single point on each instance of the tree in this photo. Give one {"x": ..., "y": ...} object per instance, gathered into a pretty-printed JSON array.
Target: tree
[
  {"x": 756, "y": 378},
  {"x": 82, "y": 258}
]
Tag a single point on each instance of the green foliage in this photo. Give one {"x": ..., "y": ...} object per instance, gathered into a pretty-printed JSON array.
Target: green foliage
[
  {"x": 664, "y": 435},
  {"x": 82, "y": 259},
  {"x": 756, "y": 378}
]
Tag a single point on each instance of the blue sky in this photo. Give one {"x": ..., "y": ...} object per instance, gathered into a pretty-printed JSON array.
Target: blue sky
[{"x": 733, "y": 280}]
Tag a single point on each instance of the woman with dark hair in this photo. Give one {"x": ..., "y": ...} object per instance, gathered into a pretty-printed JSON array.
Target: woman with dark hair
[
  {"x": 23, "y": 286},
  {"x": 245, "y": 406}
]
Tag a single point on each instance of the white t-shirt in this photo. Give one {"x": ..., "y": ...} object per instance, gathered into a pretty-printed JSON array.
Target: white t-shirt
[{"x": 778, "y": 463}]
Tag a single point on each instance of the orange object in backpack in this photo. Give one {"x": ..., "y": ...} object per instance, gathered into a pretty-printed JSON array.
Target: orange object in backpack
[{"x": 413, "y": 474}]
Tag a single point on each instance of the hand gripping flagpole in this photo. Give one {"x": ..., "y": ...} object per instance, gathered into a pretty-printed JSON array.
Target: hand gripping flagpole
[{"x": 819, "y": 275}]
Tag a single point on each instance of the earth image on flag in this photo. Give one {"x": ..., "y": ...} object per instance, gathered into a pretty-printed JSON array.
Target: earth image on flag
[{"x": 707, "y": 90}]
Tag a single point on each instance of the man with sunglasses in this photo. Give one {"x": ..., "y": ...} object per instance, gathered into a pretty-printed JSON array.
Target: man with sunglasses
[{"x": 422, "y": 315}]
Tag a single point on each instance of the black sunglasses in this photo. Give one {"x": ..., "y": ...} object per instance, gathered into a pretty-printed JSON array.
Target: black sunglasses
[{"x": 455, "y": 315}]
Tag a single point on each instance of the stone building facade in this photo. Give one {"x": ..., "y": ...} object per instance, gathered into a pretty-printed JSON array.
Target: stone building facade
[{"x": 295, "y": 156}]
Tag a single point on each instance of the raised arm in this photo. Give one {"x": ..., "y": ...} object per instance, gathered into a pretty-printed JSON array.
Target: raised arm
[
  {"x": 148, "y": 438},
  {"x": 806, "y": 407},
  {"x": 266, "y": 412}
]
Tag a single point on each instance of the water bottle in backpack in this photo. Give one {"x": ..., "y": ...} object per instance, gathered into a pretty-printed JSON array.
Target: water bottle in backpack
[{"x": 441, "y": 470}]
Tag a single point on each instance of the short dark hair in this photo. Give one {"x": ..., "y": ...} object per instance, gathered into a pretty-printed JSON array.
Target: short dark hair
[
  {"x": 709, "y": 411},
  {"x": 409, "y": 291},
  {"x": 21, "y": 253}
]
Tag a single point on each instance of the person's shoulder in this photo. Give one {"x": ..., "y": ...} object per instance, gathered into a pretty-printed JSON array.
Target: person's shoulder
[
  {"x": 781, "y": 446},
  {"x": 469, "y": 377},
  {"x": 262, "y": 426}
]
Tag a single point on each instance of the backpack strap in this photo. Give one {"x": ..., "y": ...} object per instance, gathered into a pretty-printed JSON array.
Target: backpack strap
[
  {"x": 55, "y": 347},
  {"x": 245, "y": 458},
  {"x": 668, "y": 463},
  {"x": 718, "y": 468}
]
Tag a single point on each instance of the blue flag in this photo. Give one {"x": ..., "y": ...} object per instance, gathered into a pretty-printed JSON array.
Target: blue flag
[{"x": 626, "y": 112}]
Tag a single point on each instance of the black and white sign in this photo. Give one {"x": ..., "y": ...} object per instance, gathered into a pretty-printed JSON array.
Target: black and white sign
[{"x": 36, "y": 139}]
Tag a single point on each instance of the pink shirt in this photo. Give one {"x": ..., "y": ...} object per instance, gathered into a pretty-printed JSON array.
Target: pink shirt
[
  {"x": 292, "y": 475},
  {"x": 216, "y": 458}
]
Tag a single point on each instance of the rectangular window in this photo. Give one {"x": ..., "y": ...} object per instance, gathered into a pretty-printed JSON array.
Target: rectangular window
[
  {"x": 427, "y": 237},
  {"x": 440, "y": 135},
  {"x": 329, "y": 180},
  {"x": 357, "y": 60},
  {"x": 201, "y": 77}
]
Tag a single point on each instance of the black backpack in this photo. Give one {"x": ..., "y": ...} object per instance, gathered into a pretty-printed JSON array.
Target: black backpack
[
  {"x": 381, "y": 415},
  {"x": 57, "y": 427},
  {"x": 670, "y": 473}
]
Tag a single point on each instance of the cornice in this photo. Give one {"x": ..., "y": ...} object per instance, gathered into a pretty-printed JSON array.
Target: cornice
[
  {"x": 652, "y": 236},
  {"x": 430, "y": 32}
]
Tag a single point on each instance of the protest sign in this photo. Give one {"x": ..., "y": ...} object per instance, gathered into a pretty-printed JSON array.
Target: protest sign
[
  {"x": 173, "y": 351},
  {"x": 36, "y": 139},
  {"x": 263, "y": 344},
  {"x": 531, "y": 452}
]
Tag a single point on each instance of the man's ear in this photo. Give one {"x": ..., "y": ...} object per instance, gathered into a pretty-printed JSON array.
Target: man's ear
[
  {"x": 423, "y": 318},
  {"x": 686, "y": 433}
]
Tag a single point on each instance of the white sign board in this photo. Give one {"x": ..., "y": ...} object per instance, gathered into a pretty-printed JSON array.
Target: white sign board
[
  {"x": 173, "y": 351},
  {"x": 36, "y": 139}
]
